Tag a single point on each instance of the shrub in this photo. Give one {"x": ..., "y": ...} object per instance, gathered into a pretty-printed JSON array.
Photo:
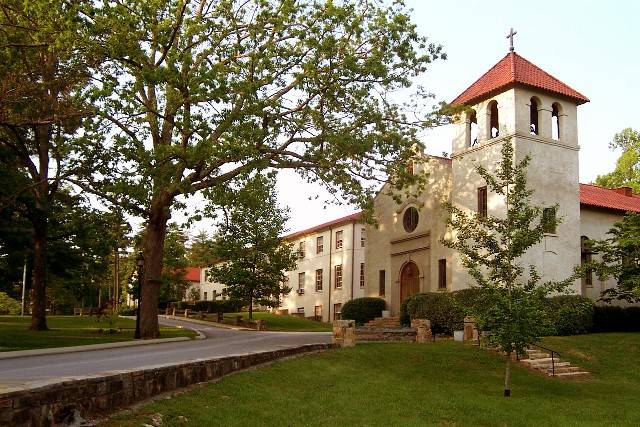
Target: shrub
[
  {"x": 363, "y": 309},
  {"x": 124, "y": 310},
  {"x": 467, "y": 299},
  {"x": 440, "y": 308},
  {"x": 607, "y": 318},
  {"x": 570, "y": 314},
  {"x": 224, "y": 306},
  {"x": 8, "y": 305}
]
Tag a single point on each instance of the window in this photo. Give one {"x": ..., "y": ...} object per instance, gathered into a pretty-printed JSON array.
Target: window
[
  {"x": 533, "y": 116},
  {"x": 494, "y": 123},
  {"x": 337, "y": 311},
  {"x": 442, "y": 274},
  {"x": 549, "y": 220},
  {"x": 319, "y": 280},
  {"x": 338, "y": 276},
  {"x": 362, "y": 274},
  {"x": 301, "y": 310},
  {"x": 482, "y": 201},
  {"x": 301, "y": 250},
  {"x": 410, "y": 219},
  {"x": 319, "y": 244},
  {"x": 339, "y": 239},
  {"x": 473, "y": 129},
  {"x": 555, "y": 121},
  {"x": 317, "y": 311},
  {"x": 363, "y": 236},
  {"x": 204, "y": 296},
  {"x": 300, "y": 280},
  {"x": 381, "y": 284},
  {"x": 585, "y": 259}
]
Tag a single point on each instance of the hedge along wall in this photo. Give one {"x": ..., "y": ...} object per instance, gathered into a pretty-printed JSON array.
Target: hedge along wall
[
  {"x": 363, "y": 310},
  {"x": 55, "y": 404}
]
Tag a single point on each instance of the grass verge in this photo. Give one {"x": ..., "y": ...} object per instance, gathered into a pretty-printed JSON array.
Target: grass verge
[
  {"x": 408, "y": 384},
  {"x": 68, "y": 331}
]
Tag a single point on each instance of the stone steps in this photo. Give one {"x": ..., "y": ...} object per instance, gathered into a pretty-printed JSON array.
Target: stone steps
[
  {"x": 544, "y": 363},
  {"x": 384, "y": 322}
]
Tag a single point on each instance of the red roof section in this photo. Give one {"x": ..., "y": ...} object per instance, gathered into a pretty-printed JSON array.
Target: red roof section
[
  {"x": 593, "y": 195},
  {"x": 353, "y": 217},
  {"x": 192, "y": 274},
  {"x": 513, "y": 70}
]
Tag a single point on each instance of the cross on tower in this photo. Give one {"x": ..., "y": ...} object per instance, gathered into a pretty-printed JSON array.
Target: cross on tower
[{"x": 510, "y": 37}]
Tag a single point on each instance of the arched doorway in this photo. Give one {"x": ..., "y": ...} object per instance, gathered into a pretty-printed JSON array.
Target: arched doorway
[{"x": 409, "y": 280}]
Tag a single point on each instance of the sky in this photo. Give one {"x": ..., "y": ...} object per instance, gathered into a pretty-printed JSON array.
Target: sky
[{"x": 589, "y": 45}]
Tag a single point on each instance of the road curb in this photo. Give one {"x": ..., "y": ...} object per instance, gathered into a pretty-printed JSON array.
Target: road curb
[{"x": 90, "y": 347}]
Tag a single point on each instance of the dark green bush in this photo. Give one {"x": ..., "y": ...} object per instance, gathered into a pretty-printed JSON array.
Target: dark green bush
[
  {"x": 607, "y": 318},
  {"x": 570, "y": 314},
  {"x": 441, "y": 309},
  {"x": 217, "y": 306},
  {"x": 467, "y": 299},
  {"x": 127, "y": 311},
  {"x": 363, "y": 309}
]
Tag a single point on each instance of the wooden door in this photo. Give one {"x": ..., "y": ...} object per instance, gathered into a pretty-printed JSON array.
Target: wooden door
[{"x": 409, "y": 280}]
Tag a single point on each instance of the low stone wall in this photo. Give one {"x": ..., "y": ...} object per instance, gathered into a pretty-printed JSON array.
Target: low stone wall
[{"x": 58, "y": 404}]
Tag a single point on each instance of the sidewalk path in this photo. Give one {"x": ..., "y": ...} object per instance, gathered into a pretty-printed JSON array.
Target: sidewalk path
[{"x": 220, "y": 342}]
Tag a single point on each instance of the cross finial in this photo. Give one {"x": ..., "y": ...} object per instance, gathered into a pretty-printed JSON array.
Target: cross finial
[{"x": 510, "y": 37}]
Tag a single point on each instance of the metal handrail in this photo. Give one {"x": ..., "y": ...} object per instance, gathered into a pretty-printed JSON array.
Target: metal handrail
[{"x": 553, "y": 364}]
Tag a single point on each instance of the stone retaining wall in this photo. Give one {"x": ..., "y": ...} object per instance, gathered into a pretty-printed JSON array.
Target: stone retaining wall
[{"x": 58, "y": 404}]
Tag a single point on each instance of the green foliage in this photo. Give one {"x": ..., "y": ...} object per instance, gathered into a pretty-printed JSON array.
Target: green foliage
[
  {"x": 570, "y": 315},
  {"x": 607, "y": 318},
  {"x": 222, "y": 306},
  {"x": 619, "y": 257},
  {"x": 363, "y": 309},
  {"x": 201, "y": 251},
  {"x": 8, "y": 305},
  {"x": 250, "y": 243},
  {"x": 438, "y": 307},
  {"x": 512, "y": 304},
  {"x": 627, "y": 171}
]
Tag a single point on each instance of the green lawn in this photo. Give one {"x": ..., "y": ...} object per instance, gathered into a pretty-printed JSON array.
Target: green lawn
[
  {"x": 408, "y": 384},
  {"x": 67, "y": 331},
  {"x": 280, "y": 322}
]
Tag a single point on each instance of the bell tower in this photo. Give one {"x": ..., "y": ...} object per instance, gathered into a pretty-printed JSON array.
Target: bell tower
[{"x": 519, "y": 103}]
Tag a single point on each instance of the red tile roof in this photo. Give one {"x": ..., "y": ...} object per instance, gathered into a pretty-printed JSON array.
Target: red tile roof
[
  {"x": 592, "y": 195},
  {"x": 514, "y": 70},
  {"x": 192, "y": 274},
  {"x": 352, "y": 217}
]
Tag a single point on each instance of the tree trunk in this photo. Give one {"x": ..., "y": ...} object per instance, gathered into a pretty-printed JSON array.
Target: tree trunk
[
  {"x": 251, "y": 306},
  {"x": 39, "y": 278},
  {"x": 507, "y": 376},
  {"x": 153, "y": 256}
]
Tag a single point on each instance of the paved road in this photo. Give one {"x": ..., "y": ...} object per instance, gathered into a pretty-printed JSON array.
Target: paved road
[{"x": 219, "y": 342}]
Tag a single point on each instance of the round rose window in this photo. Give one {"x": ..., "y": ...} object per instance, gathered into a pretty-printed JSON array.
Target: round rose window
[{"x": 410, "y": 219}]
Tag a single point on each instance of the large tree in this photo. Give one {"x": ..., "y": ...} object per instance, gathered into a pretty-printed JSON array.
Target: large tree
[
  {"x": 43, "y": 67},
  {"x": 511, "y": 305},
  {"x": 627, "y": 171},
  {"x": 254, "y": 257},
  {"x": 198, "y": 93},
  {"x": 619, "y": 257}
]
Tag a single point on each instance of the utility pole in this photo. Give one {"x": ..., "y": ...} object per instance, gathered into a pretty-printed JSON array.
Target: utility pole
[{"x": 24, "y": 284}]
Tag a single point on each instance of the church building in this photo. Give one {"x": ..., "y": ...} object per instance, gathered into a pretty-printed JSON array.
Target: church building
[{"x": 515, "y": 102}]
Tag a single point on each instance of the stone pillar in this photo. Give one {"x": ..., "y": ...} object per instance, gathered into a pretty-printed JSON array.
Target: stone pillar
[
  {"x": 186, "y": 312},
  {"x": 219, "y": 317},
  {"x": 423, "y": 330},
  {"x": 238, "y": 321},
  {"x": 173, "y": 313},
  {"x": 261, "y": 325},
  {"x": 470, "y": 330},
  {"x": 344, "y": 333}
]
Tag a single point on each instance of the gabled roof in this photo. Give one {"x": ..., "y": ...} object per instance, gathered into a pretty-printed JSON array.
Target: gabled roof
[
  {"x": 343, "y": 220},
  {"x": 192, "y": 274},
  {"x": 607, "y": 198},
  {"x": 513, "y": 70}
]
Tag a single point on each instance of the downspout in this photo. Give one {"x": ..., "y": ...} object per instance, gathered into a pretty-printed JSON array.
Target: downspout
[
  {"x": 329, "y": 289},
  {"x": 353, "y": 252}
]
